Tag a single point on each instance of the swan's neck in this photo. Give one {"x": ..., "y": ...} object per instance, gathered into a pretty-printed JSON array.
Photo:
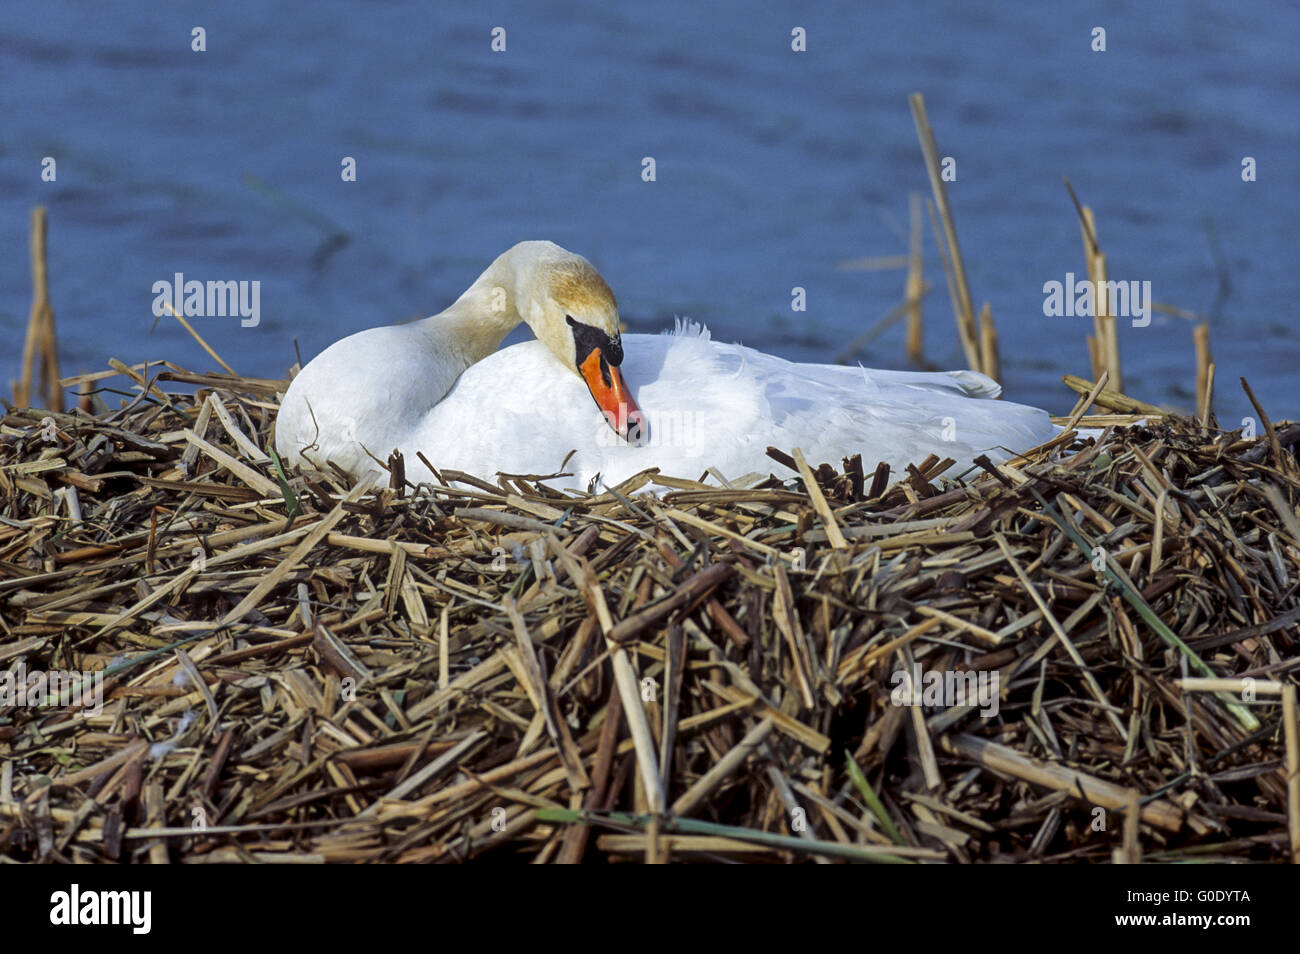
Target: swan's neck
[{"x": 475, "y": 324}]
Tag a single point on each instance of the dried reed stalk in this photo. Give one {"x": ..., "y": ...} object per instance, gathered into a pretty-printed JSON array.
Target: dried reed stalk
[
  {"x": 914, "y": 284},
  {"x": 963, "y": 308},
  {"x": 40, "y": 346}
]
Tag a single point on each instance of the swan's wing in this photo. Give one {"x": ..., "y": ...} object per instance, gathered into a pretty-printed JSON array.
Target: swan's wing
[
  {"x": 358, "y": 397},
  {"x": 830, "y": 411},
  {"x": 712, "y": 405}
]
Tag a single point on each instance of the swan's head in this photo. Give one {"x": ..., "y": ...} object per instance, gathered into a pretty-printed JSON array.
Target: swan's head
[{"x": 572, "y": 311}]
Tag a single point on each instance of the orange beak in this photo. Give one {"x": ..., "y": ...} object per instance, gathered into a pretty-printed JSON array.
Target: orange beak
[{"x": 613, "y": 396}]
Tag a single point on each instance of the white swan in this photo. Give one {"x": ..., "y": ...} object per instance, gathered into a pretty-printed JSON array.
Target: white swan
[{"x": 441, "y": 387}]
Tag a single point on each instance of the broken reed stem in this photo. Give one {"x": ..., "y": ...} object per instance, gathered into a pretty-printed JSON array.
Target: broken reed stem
[
  {"x": 1207, "y": 412},
  {"x": 991, "y": 364},
  {"x": 1284, "y": 463},
  {"x": 1091, "y": 253},
  {"x": 914, "y": 285},
  {"x": 198, "y": 337},
  {"x": 833, "y": 533},
  {"x": 1087, "y": 788},
  {"x": 1105, "y": 328},
  {"x": 1086, "y": 401},
  {"x": 40, "y": 344},
  {"x": 1204, "y": 373},
  {"x": 1132, "y": 849},
  {"x": 962, "y": 305},
  {"x": 1263, "y": 687},
  {"x": 1111, "y": 398}
]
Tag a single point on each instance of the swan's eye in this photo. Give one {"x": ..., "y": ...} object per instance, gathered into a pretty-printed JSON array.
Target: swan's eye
[{"x": 588, "y": 338}]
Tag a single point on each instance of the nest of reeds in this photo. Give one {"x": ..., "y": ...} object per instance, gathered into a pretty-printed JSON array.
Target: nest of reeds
[{"x": 296, "y": 669}]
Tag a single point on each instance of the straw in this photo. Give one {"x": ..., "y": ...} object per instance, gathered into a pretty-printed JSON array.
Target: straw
[{"x": 375, "y": 684}]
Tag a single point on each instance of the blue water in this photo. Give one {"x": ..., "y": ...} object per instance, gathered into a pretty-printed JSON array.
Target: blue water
[{"x": 772, "y": 166}]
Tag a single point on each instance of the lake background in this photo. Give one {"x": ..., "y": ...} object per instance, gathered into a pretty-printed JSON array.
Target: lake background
[{"x": 772, "y": 167}]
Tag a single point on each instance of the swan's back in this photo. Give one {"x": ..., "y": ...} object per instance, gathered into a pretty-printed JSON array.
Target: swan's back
[{"x": 711, "y": 404}]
